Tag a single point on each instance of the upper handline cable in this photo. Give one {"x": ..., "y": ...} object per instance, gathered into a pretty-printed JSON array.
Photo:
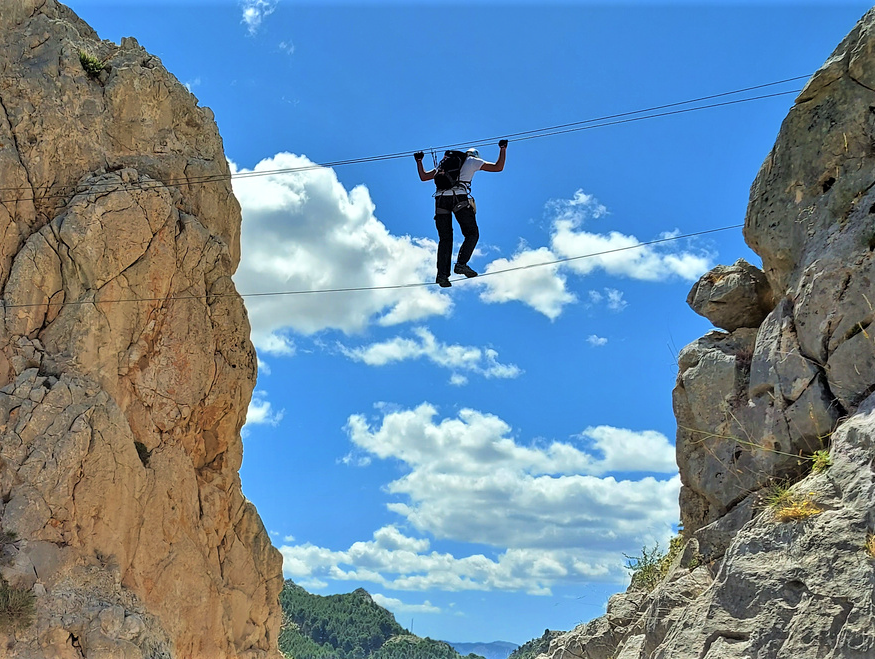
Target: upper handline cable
[
  {"x": 587, "y": 124},
  {"x": 529, "y": 266},
  {"x": 531, "y": 134}
]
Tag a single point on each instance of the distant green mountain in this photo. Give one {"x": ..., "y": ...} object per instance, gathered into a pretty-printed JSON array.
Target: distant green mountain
[
  {"x": 493, "y": 650},
  {"x": 350, "y": 626}
]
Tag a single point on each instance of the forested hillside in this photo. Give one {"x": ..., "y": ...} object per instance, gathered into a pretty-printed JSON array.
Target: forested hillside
[
  {"x": 536, "y": 646},
  {"x": 350, "y": 626}
]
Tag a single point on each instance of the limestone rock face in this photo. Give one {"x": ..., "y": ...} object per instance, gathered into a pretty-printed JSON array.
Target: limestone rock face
[
  {"x": 792, "y": 379},
  {"x": 125, "y": 364}
]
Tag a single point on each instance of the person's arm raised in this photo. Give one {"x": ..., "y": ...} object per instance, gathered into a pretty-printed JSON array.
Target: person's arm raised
[
  {"x": 498, "y": 165},
  {"x": 423, "y": 175}
]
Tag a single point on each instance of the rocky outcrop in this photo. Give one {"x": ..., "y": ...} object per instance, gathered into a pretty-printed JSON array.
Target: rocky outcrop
[
  {"x": 125, "y": 363},
  {"x": 776, "y": 415},
  {"x": 732, "y": 296}
]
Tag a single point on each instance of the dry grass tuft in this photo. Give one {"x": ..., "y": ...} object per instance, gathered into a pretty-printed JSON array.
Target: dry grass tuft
[
  {"x": 788, "y": 506},
  {"x": 870, "y": 545},
  {"x": 796, "y": 509},
  {"x": 17, "y": 607}
]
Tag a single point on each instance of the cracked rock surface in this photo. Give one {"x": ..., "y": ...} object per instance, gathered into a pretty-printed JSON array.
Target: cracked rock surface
[
  {"x": 125, "y": 363},
  {"x": 793, "y": 374}
]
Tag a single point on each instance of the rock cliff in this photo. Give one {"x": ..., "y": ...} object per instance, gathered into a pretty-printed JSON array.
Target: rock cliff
[
  {"x": 776, "y": 413},
  {"x": 125, "y": 364}
]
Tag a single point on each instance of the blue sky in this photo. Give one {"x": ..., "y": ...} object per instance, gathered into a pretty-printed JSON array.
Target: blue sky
[{"x": 478, "y": 458}]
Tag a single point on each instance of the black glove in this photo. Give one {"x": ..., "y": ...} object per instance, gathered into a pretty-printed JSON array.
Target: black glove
[
  {"x": 502, "y": 143},
  {"x": 419, "y": 155}
]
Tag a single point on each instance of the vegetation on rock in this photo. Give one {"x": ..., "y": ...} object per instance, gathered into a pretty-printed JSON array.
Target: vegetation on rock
[
  {"x": 17, "y": 607},
  {"x": 789, "y": 506},
  {"x": 92, "y": 65},
  {"x": 651, "y": 567}
]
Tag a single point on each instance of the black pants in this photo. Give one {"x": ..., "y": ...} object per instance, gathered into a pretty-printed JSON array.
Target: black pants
[{"x": 443, "y": 220}]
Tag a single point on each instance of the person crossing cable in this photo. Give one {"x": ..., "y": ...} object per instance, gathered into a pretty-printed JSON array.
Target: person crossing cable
[{"x": 452, "y": 177}]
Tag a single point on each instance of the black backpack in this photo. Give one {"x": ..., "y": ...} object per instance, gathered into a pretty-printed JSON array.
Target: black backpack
[{"x": 446, "y": 176}]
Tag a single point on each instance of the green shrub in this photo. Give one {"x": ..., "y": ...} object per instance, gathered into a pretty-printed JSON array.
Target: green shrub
[
  {"x": 652, "y": 565},
  {"x": 646, "y": 569},
  {"x": 90, "y": 63},
  {"x": 820, "y": 461}
]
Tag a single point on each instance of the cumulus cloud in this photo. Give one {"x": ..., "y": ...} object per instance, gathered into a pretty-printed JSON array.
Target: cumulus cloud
[
  {"x": 532, "y": 571},
  {"x": 255, "y": 11},
  {"x": 456, "y": 358},
  {"x": 595, "y": 340},
  {"x": 543, "y": 287},
  {"x": 396, "y": 606},
  {"x": 581, "y": 206},
  {"x": 302, "y": 230},
  {"x": 467, "y": 476},
  {"x": 557, "y": 512},
  {"x": 261, "y": 412},
  {"x": 614, "y": 252}
]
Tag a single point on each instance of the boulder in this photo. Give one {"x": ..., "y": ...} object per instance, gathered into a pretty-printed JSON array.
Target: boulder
[{"x": 732, "y": 296}]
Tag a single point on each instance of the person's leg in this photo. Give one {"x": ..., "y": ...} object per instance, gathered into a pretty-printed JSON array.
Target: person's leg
[
  {"x": 467, "y": 220},
  {"x": 443, "y": 220}
]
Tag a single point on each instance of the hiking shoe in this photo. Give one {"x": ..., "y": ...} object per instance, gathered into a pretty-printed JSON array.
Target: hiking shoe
[
  {"x": 443, "y": 282},
  {"x": 464, "y": 269}
]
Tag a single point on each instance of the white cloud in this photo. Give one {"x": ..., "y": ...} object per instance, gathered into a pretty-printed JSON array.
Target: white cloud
[
  {"x": 615, "y": 253},
  {"x": 277, "y": 343},
  {"x": 541, "y": 287},
  {"x": 581, "y": 206},
  {"x": 558, "y": 512},
  {"x": 611, "y": 297},
  {"x": 287, "y": 47},
  {"x": 302, "y": 230},
  {"x": 355, "y": 460},
  {"x": 255, "y": 11},
  {"x": 594, "y": 340},
  {"x": 628, "y": 450},
  {"x": 467, "y": 477},
  {"x": 396, "y": 606},
  {"x": 261, "y": 412},
  {"x": 402, "y": 569},
  {"x": 615, "y": 299},
  {"x": 453, "y": 357}
]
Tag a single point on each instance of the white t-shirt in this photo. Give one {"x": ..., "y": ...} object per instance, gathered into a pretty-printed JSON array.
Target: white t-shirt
[{"x": 470, "y": 167}]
